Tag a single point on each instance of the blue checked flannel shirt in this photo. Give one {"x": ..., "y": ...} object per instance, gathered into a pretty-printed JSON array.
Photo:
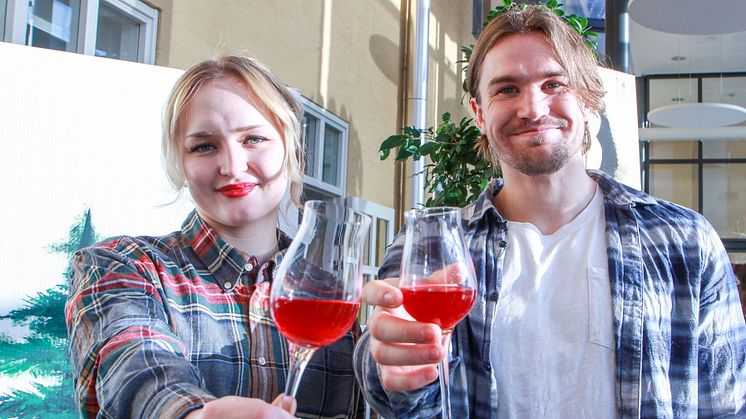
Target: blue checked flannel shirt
[{"x": 680, "y": 334}]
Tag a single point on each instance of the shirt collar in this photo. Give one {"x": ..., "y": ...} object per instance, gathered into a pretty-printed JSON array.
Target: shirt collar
[
  {"x": 618, "y": 193},
  {"x": 225, "y": 262}
]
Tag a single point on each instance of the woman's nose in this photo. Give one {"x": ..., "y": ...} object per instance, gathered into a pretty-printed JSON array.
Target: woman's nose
[{"x": 233, "y": 161}]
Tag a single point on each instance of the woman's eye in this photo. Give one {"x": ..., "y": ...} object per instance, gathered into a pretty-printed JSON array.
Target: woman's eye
[
  {"x": 202, "y": 148},
  {"x": 509, "y": 90},
  {"x": 554, "y": 85},
  {"x": 254, "y": 139}
]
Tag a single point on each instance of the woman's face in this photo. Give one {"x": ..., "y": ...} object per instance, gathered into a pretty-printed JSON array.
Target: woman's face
[{"x": 232, "y": 155}]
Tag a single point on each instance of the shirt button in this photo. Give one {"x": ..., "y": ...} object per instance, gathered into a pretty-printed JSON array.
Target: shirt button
[
  {"x": 487, "y": 366},
  {"x": 249, "y": 266},
  {"x": 228, "y": 285},
  {"x": 262, "y": 361}
]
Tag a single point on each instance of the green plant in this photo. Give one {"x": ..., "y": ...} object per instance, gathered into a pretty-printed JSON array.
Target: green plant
[{"x": 456, "y": 173}]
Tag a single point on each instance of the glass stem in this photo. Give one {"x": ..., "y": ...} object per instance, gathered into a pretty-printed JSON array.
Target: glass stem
[
  {"x": 445, "y": 391},
  {"x": 299, "y": 357}
]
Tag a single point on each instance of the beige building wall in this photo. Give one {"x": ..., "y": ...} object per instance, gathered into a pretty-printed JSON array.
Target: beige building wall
[{"x": 351, "y": 57}]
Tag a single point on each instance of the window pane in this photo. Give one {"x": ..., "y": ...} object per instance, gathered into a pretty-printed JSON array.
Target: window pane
[
  {"x": 724, "y": 198},
  {"x": 118, "y": 34},
  {"x": 724, "y": 90},
  {"x": 665, "y": 92},
  {"x": 310, "y": 127},
  {"x": 332, "y": 138},
  {"x": 382, "y": 229},
  {"x": 673, "y": 149},
  {"x": 724, "y": 149},
  {"x": 3, "y": 7},
  {"x": 676, "y": 183},
  {"x": 737, "y": 259},
  {"x": 53, "y": 24}
]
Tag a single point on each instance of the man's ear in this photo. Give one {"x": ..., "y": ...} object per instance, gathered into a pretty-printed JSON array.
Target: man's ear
[{"x": 478, "y": 117}]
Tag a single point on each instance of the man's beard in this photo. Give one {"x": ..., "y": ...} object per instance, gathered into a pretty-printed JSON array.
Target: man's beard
[{"x": 539, "y": 166}]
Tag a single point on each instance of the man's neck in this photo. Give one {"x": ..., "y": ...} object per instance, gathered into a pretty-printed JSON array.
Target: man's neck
[{"x": 548, "y": 202}]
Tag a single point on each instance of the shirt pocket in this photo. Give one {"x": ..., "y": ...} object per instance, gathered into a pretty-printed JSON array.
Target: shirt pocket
[{"x": 601, "y": 329}]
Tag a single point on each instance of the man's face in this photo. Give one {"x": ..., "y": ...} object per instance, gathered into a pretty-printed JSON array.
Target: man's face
[{"x": 532, "y": 118}]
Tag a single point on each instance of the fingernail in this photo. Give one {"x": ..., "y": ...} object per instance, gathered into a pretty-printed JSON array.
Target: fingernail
[
  {"x": 388, "y": 298},
  {"x": 427, "y": 335},
  {"x": 434, "y": 354}
]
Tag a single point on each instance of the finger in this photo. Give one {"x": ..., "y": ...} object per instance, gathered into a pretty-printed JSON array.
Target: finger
[
  {"x": 406, "y": 355},
  {"x": 383, "y": 293},
  {"x": 398, "y": 379},
  {"x": 286, "y": 403},
  {"x": 389, "y": 328}
]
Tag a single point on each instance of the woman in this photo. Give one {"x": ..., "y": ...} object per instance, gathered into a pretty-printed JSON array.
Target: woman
[{"x": 179, "y": 325}]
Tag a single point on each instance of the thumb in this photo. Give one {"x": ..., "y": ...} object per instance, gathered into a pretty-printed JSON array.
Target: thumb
[{"x": 286, "y": 403}]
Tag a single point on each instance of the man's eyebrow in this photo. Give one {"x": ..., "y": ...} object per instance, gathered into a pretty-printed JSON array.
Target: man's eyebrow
[{"x": 515, "y": 79}]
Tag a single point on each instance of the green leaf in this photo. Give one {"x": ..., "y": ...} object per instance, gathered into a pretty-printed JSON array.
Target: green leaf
[
  {"x": 412, "y": 131},
  {"x": 551, "y": 4},
  {"x": 391, "y": 142},
  {"x": 384, "y": 154},
  {"x": 429, "y": 147}
]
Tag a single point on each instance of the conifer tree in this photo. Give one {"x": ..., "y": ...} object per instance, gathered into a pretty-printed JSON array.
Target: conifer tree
[{"x": 43, "y": 353}]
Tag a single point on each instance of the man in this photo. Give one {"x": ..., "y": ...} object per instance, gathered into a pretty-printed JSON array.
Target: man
[{"x": 595, "y": 300}]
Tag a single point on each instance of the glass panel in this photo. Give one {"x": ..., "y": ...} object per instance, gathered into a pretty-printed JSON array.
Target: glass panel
[
  {"x": 737, "y": 259},
  {"x": 366, "y": 247},
  {"x": 592, "y": 9},
  {"x": 724, "y": 149},
  {"x": 53, "y": 24},
  {"x": 724, "y": 90},
  {"x": 676, "y": 183},
  {"x": 330, "y": 168},
  {"x": 724, "y": 198},
  {"x": 673, "y": 149},
  {"x": 3, "y": 10},
  {"x": 310, "y": 128},
  {"x": 382, "y": 227},
  {"x": 118, "y": 34},
  {"x": 665, "y": 92}
]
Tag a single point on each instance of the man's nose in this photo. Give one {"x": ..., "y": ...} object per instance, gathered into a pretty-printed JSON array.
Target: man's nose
[{"x": 533, "y": 104}]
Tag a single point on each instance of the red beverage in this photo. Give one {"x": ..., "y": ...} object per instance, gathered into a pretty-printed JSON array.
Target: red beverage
[
  {"x": 314, "y": 323},
  {"x": 442, "y": 304}
]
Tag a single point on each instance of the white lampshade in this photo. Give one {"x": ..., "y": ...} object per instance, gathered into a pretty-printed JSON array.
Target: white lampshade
[
  {"x": 690, "y": 17},
  {"x": 697, "y": 115}
]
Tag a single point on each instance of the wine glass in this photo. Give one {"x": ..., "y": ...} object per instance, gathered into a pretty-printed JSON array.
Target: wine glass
[
  {"x": 315, "y": 294},
  {"x": 437, "y": 277}
]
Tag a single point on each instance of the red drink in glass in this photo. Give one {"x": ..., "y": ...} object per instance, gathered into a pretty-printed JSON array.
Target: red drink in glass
[
  {"x": 442, "y": 304},
  {"x": 314, "y": 323}
]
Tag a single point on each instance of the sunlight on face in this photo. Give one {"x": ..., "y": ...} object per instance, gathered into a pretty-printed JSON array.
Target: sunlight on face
[{"x": 232, "y": 155}]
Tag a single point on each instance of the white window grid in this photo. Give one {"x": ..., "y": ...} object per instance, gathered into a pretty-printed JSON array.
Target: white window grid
[
  {"x": 324, "y": 118},
  {"x": 16, "y": 18}
]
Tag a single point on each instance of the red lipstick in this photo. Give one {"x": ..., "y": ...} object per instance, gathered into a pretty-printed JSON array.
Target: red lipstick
[{"x": 236, "y": 190}]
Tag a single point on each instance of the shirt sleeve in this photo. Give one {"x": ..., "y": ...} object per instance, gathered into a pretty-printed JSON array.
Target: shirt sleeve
[
  {"x": 721, "y": 334},
  {"x": 126, "y": 359}
]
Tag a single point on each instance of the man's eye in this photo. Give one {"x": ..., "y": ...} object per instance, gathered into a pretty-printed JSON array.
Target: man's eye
[
  {"x": 254, "y": 139},
  {"x": 202, "y": 148},
  {"x": 554, "y": 85},
  {"x": 507, "y": 90}
]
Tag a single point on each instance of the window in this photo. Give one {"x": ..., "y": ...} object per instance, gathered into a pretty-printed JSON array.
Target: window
[
  {"x": 704, "y": 175},
  {"x": 120, "y": 29},
  {"x": 325, "y": 145},
  {"x": 380, "y": 237},
  {"x": 3, "y": 10}
]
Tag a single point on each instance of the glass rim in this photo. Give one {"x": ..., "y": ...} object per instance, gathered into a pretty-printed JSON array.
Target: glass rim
[{"x": 432, "y": 211}]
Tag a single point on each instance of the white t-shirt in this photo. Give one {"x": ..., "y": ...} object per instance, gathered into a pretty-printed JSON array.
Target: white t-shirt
[{"x": 552, "y": 338}]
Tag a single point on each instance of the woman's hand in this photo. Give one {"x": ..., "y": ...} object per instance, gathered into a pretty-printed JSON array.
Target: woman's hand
[
  {"x": 228, "y": 407},
  {"x": 406, "y": 351}
]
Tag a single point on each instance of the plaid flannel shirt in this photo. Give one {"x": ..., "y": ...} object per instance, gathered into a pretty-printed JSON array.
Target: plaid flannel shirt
[
  {"x": 680, "y": 334},
  {"x": 158, "y": 326}
]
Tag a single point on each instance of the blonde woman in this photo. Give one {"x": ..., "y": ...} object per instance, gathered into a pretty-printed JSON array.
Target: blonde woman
[{"x": 179, "y": 325}]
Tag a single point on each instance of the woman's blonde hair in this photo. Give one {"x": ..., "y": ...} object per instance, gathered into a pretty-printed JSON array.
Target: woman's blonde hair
[{"x": 285, "y": 110}]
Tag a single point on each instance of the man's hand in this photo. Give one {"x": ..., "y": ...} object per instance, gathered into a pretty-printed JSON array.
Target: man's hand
[
  {"x": 406, "y": 351},
  {"x": 229, "y": 407}
]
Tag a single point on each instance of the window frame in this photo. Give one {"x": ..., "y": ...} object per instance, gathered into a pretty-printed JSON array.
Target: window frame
[
  {"x": 324, "y": 118},
  {"x": 147, "y": 16},
  {"x": 647, "y": 164}
]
